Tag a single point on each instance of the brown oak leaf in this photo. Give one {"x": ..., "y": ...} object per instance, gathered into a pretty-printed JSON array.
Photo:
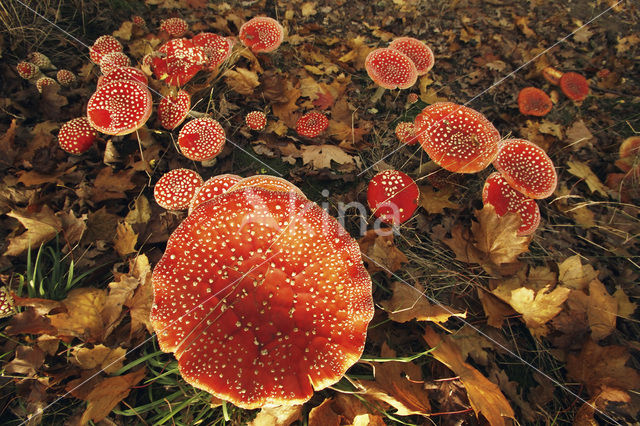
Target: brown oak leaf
[{"x": 410, "y": 303}]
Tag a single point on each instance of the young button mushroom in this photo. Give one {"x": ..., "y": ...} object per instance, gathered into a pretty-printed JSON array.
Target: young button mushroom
[
  {"x": 7, "y": 306},
  {"x": 201, "y": 139},
  {"x": 505, "y": 199},
  {"x": 41, "y": 61},
  {"x": 172, "y": 110},
  {"x": 65, "y": 78},
  {"x": 256, "y": 120},
  {"x": 212, "y": 188},
  {"x": 405, "y": 133},
  {"x": 629, "y": 154},
  {"x": 103, "y": 45},
  {"x": 312, "y": 124},
  {"x": 176, "y": 188},
  {"x": 526, "y": 167},
  {"x": 262, "y": 297},
  {"x": 533, "y": 101},
  {"x": 175, "y": 27},
  {"x": 76, "y": 136},
  {"x": 417, "y": 51},
  {"x": 392, "y": 196},
  {"x": 43, "y": 82},
  {"x": 456, "y": 137},
  {"x": 27, "y": 70},
  {"x": 119, "y": 107},
  {"x": 574, "y": 86},
  {"x": 261, "y": 34}
]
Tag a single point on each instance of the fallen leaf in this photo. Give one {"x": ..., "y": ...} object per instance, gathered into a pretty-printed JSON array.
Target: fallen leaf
[
  {"x": 308, "y": 8},
  {"x": 124, "y": 32},
  {"x": 141, "y": 212},
  {"x": 409, "y": 303},
  {"x": 495, "y": 309},
  {"x": 579, "y": 136},
  {"x": 242, "y": 80},
  {"x": 125, "y": 239},
  {"x": 343, "y": 409},
  {"x": 380, "y": 254},
  {"x": 82, "y": 317},
  {"x": 110, "y": 184},
  {"x": 485, "y": 396},
  {"x": 321, "y": 156},
  {"x": 26, "y": 361},
  {"x": 41, "y": 226},
  {"x": 140, "y": 304},
  {"x": 434, "y": 202},
  {"x": 573, "y": 274},
  {"x": 602, "y": 310},
  {"x": 626, "y": 307},
  {"x": 29, "y": 322},
  {"x": 106, "y": 359},
  {"x": 581, "y": 170},
  {"x": 108, "y": 393}
]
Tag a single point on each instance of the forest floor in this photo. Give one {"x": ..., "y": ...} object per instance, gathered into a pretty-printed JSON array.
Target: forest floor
[{"x": 473, "y": 324}]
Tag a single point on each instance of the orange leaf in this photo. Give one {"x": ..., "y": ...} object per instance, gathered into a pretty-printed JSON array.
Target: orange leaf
[
  {"x": 410, "y": 303},
  {"x": 108, "y": 393}
]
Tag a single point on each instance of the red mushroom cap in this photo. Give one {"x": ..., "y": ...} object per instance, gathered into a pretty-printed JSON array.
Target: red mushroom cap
[
  {"x": 175, "y": 27},
  {"x": 405, "y": 133},
  {"x": 312, "y": 124},
  {"x": 76, "y": 136},
  {"x": 574, "y": 86},
  {"x": 412, "y": 98},
  {"x": 7, "y": 307},
  {"x": 526, "y": 167},
  {"x": 123, "y": 73},
  {"x": 40, "y": 60},
  {"x": 420, "y": 53},
  {"x": 178, "y": 61},
  {"x": 112, "y": 61},
  {"x": 201, "y": 139},
  {"x": 44, "y": 82},
  {"x": 103, "y": 45},
  {"x": 212, "y": 188},
  {"x": 176, "y": 188},
  {"x": 262, "y": 34},
  {"x": 138, "y": 21},
  {"x": 391, "y": 68},
  {"x": 216, "y": 47},
  {"x": 27, "y": 70},
  {"x": 533, "y": 101},
  {"x": 629, "y": 153},
  {"x": 505, "y": 199},
  {"x": 456, "y": 137},
  {"x": 392, "y": 196},
  {"x": 263, "y": 297},
  {"x": 65, "y": 77},
  {"x": 256, "y": 120},
  {"x": 272, "y": 183},
  {"x": 172, "y": 110},
  {"x": 119, "y": 107}
]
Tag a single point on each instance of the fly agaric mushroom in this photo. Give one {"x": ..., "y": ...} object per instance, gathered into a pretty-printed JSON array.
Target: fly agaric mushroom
[
  {"x": 215, "y": 47},
  {"x": 76, "y": 136},
  {"x": 112, "y": 61},
  {"x": 405, "y": 133},
  {"x": 212, "y": 188},
  {"x": 505, "y": 199},
  {"x": 629, "y": 154},
  {"x": 256, "y": 120},
  {"x": 175, "y": 27},
  {"x": 272, "y": 183},
  {"x": 261, "y": 34},
  {"x": 123, "y": 73},
  {"x": 7, "y": 307},
  {"x": 574, "y": 86},
  {"x": 27, "y": 70},
  {"x": 262, "y": 297},
  {"x": 201, "y": 139},
  {"x": 456, "y": 137},
  {"x": 138, "y": 21},
  {"x": 312, "y": 124},
  {"x": 390, "y": 68},
  {"x": 417, "y": 51},
  {"x": 40, "y": 60},
  {"x": 177, "y": 61},
  {"x": 119, "y": 107},
  {"x": 65, "y": 78},
  {"x": 172, "y": 110},
  {"x": 175, "y": 189},
  {"x": 45, "y": 82},
  {"x": 533, "y": 101},
  {"x": 526, "y": 167},
  {"x": 412, "y": 98},
  {"x": 392, "y": 196},
  {"x": 103, "y": 45}
]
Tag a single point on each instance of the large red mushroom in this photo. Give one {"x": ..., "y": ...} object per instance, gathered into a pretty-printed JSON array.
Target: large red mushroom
[
  {"x": 261, "y": 34},
  {"x": 172, "y": 110},
  {"x": 262, "y": 297},
  {"x": 119, "y": 107},
  {"x": 212, "y": 188}
]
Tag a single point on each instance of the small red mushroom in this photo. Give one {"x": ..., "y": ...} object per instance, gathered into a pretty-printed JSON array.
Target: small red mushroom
[
  {"x": 175, "y": 27},
  {"x": 256, "y": 120},
  {"x": 216, "y": 47},
  {"x": 417, "y": 51},
  {"x": 76, "y": 136},
  {"x": 533, "y": 101},
  {"x": 176, "y": 188},
  {"x": 43, "y": 82},
  {"x": 272, "y": 183},
  {"x": 312, "y": 124},
  {"x": 172, "y": 110},
  {"x": 390, "y": 68},
  {"x": 262, "y": 34},
  {"x": 112, "y": 61},
  {"x": 65, "y": 78},
  {"x": 119, "y": 107},
  {"x": 526, "y": 167},
  {"x": 27, "y": 70},
  {"x": 412, "y": 98},
  {"x": 138, "y": 21},
  {"x": 103, "y": 45},
  {"x": 201, "y": 139},
  {"x": 574, "y": 86},
  {"x": 7, "y": 306},
  {"x": 405, "y": 133},
  {"x": 123, "y": 73},
  {"x": 263, "y": 298},
  {"x": 505, "y": 199},
  {"x": 212, "y": 188},
  {"x": 392, "y": 196},
  {"x": 456, "y": 137}
]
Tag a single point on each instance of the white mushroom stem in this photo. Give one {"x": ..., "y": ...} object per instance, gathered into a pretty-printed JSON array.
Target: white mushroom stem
[{"x": 376, "y": 96}]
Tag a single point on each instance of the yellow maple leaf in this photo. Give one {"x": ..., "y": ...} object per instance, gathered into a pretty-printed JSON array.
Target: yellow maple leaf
[
  {"x": 435, "y": 202},
  {"x": 125, "y": 240},
  {"x": 581, "y": 170},
  {"x": 497, "y": 236},
  {"x": 410, "y": 303}
]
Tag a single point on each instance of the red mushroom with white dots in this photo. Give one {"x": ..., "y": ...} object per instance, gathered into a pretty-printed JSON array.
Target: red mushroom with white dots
[
  {"x": 272, "y": 183},
  {"x": 526, "y": 167},
  {"x": 312, "y": 124},
  {"x": 175, "y": 27},
  {"x": 261, "y": 34},
  {"x": 112, "y": 61},
  {"x": 390, "y": 68},
  {"x": 405, "y": 132},
  {"x": 213, "y": 187},
  {"x": 216, "y": 48},
  {"x": 392, "y": 196},
  {"x": 27, "y": 70},
  {"x": 456, "y": 137},
  {"x": 256, "y": 120},
  {"x": 7, "y": 306},
  {"x": 65, "y": 78},
  {"x": 123, "y": 73},
  {"x": 177, "y": 61},
  {"x": 505, "y": 199},
  {"x": 201, "y": 139},
  {"x": 103, "y": 45},
  {"x": 43, "y": 82},
  {"x": 262, "y": 297},
  {"x": 417, "y": 51},
  {"x": 172, "y": 110},
  {"x": 119, "y": 107},
  {"x": 76, "y": 136},
  {"x": 176, "y": 188}
]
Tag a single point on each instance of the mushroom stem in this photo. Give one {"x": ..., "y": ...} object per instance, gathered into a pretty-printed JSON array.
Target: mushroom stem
[
  {"x": 376, "y": 96},
  {"x": 425, "y": 169}
]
